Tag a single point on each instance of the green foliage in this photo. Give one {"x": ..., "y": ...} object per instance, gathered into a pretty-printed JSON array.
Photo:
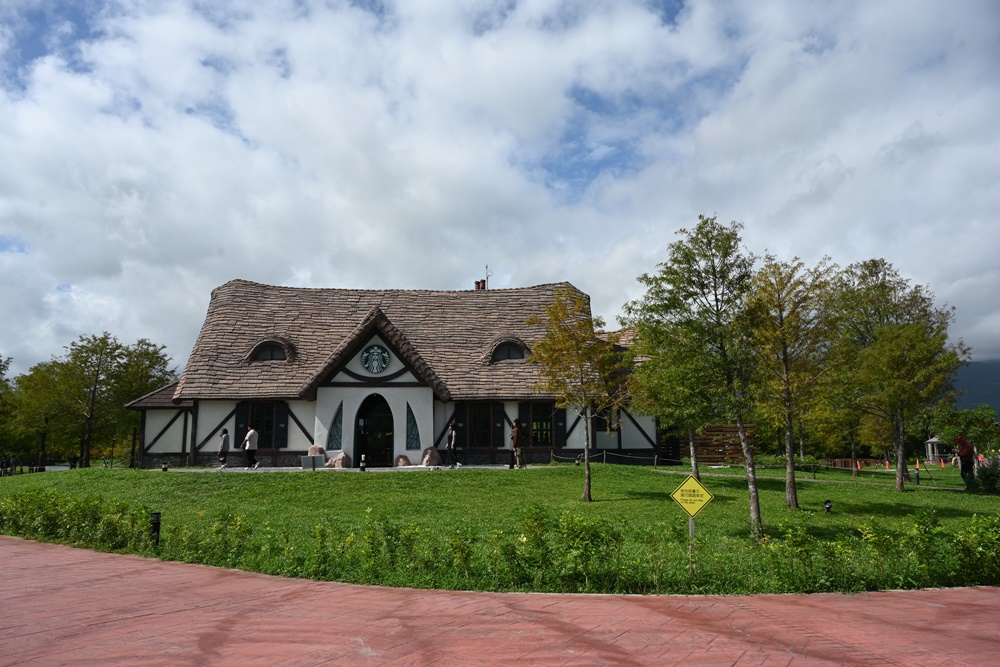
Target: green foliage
[
  {"x": 978, "y": 425},
  {"x": 899, "y": 358},
  {"x": 578, "y": 364},
  {"x": 988, "y": 476},
  {"x": 106, "y": 524},
  {"x": 82, "y": 396}
]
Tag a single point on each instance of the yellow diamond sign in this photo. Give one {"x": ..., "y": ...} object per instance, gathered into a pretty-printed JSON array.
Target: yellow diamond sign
[{"x": 692, "y": 496}]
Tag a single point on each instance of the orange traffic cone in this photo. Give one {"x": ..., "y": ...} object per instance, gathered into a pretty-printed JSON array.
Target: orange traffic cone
[
  {"x": 942, "y": 464},
  {"x": 887, "y": 464},
  {"x": 918, "y": 464}
]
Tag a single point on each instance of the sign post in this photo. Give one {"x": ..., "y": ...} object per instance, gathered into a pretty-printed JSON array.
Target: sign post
[{"x": 692, "y": 496}]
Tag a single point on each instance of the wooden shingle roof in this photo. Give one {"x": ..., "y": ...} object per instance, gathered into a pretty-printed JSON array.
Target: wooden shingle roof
[
  {"x": 160, "y": 399},
  {"x": 444, "y": 336}
]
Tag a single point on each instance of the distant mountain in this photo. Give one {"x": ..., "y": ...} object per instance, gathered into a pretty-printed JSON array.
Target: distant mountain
[{"x": 978, "y": 383}]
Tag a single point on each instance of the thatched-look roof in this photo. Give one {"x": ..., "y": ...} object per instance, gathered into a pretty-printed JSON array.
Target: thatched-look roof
[{"x": 444, "y": 337}]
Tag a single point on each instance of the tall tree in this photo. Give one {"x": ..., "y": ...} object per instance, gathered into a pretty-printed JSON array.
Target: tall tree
[
  {"x": 93, "y": 365},
  {"x": 699, "y": 300},
  {"x": 793, "y": 328},
  {"x": 669, "y": 383},
  {"x": 44, "y": 415},
  {"x": 6, "y": 407},
  {"x": 578, "y": 364},
  {"x": 902, "y": 359}
]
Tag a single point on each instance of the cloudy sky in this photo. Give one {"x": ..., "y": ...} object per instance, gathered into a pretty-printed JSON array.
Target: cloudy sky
[{"x": 151, "y": 151}]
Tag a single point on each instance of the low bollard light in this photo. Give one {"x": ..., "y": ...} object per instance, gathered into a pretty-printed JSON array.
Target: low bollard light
[
  {"x": 828, "y": 504},
  {"x": 154, "y": 526},
  {"x": 163, "y": 466},
  {"x": 363, "y": 463}
]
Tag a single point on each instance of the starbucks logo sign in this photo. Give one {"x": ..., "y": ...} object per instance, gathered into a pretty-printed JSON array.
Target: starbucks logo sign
[{"x": 375, "y": 358}]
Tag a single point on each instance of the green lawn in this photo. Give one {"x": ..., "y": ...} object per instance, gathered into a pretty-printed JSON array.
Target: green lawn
[{"x": 405, "y": 524}]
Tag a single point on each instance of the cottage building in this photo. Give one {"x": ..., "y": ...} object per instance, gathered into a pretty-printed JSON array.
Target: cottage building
[{"x": 373, "y": 373}]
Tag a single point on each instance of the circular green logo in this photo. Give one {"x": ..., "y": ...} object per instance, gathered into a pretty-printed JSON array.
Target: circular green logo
[{"x": 375, "y": 358}]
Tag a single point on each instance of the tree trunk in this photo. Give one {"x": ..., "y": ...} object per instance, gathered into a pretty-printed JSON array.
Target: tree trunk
[
  {"x": 131, "y": 457},
  {"x": 41, "y": 448},
  {"x": 791, "y": 495},
  {"x": 756, "y": 524},
  {"x": 694, "y": 454},
  {"x": 586, "y": 456},
  {"x": 854, "y": 455},
  {"x": 899, "y": 445}
]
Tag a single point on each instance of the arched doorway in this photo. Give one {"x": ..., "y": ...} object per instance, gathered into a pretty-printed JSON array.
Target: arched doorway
[{"x": 373, "y": 433}]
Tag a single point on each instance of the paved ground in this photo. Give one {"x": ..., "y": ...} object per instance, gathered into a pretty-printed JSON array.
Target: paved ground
[{"x": 64, "y": 606}]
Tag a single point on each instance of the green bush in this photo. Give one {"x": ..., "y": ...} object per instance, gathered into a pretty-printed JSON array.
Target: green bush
[
  {"x": 106, "y": 524},
  {"x": 988, "y": 477}
]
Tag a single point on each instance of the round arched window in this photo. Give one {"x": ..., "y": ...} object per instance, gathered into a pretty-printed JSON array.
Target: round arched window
[
  {"x": 269, "y": 352},
  {"x": 507, "y": 351}
]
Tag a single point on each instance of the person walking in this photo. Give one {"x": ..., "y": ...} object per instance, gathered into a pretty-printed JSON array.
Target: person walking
[
  {"x": 223, "y": 447},
  {"x": 250, "y": 446}
]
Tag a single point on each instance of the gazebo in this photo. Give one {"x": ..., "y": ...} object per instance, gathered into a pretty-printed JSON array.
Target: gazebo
[{"x": 933, "y": 449}]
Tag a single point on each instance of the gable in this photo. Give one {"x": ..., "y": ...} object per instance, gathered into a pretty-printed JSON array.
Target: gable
[{"x": 375, "y": 361}]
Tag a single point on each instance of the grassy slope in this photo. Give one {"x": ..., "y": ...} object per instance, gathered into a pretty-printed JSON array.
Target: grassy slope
[{"x": 490, "y": 498}]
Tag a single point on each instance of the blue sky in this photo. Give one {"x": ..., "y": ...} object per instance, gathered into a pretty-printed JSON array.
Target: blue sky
[{"x": 154, "y": 151}]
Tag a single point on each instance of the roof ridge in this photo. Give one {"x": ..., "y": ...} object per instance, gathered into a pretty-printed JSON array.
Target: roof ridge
[{"x": 242, "y": 282}]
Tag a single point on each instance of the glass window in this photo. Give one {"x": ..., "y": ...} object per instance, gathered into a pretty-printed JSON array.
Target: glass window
[
  {"x": 479, "y": 424},
  {"x": 507, "y": 351},
  {"x": 541, "y": 424},
  {"x": 412, "y": 432},
  {"x": 269, "y": 352},
  {"x": 270, "y": 420},
  {"x": 536, "y": 418},
  {"x": 334, "y": 438}
]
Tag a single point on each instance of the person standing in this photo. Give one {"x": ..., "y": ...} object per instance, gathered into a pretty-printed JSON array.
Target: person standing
[
  {"x": 966, "y": 458},
  {"x": 250, "y": 445},
  {"x": 450, "y": 446},
  {"x": 223, "y": 447},
  {"x": 516, "y": 442}
]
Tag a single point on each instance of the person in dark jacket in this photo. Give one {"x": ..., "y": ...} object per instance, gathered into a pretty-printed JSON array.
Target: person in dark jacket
[
  {"x": 449, "y": 449},
  {"x": 966, "y": 459},
  {"x": 517, "y": 442}
]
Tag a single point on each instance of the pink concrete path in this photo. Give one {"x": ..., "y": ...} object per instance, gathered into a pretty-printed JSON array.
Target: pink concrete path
[{"x": 65, "y": 606}]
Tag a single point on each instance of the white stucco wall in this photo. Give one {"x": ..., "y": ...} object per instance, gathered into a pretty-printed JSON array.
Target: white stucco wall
[
  {"x": 632, "y": 437},
  {"x": 210, "y": 424},
  {"x": 305, "y": 412},
  {"x": 172, "y": 439}
]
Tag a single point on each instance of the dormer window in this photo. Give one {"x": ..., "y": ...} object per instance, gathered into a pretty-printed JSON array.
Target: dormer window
[
  {"x": 270, "y": 351},
  {"x": 272, "y": 348},
  {"x": 506, "y": 351}
]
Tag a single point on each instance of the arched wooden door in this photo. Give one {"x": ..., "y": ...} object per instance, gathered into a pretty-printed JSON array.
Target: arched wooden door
[{"x": 373, "y": 434}]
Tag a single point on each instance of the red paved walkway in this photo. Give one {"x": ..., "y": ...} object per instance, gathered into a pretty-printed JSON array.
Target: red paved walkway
[{"x": 64, "y": 606}]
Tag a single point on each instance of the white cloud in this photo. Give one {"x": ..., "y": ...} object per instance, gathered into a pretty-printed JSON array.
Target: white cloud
[{"x": 158, "y": 151}]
